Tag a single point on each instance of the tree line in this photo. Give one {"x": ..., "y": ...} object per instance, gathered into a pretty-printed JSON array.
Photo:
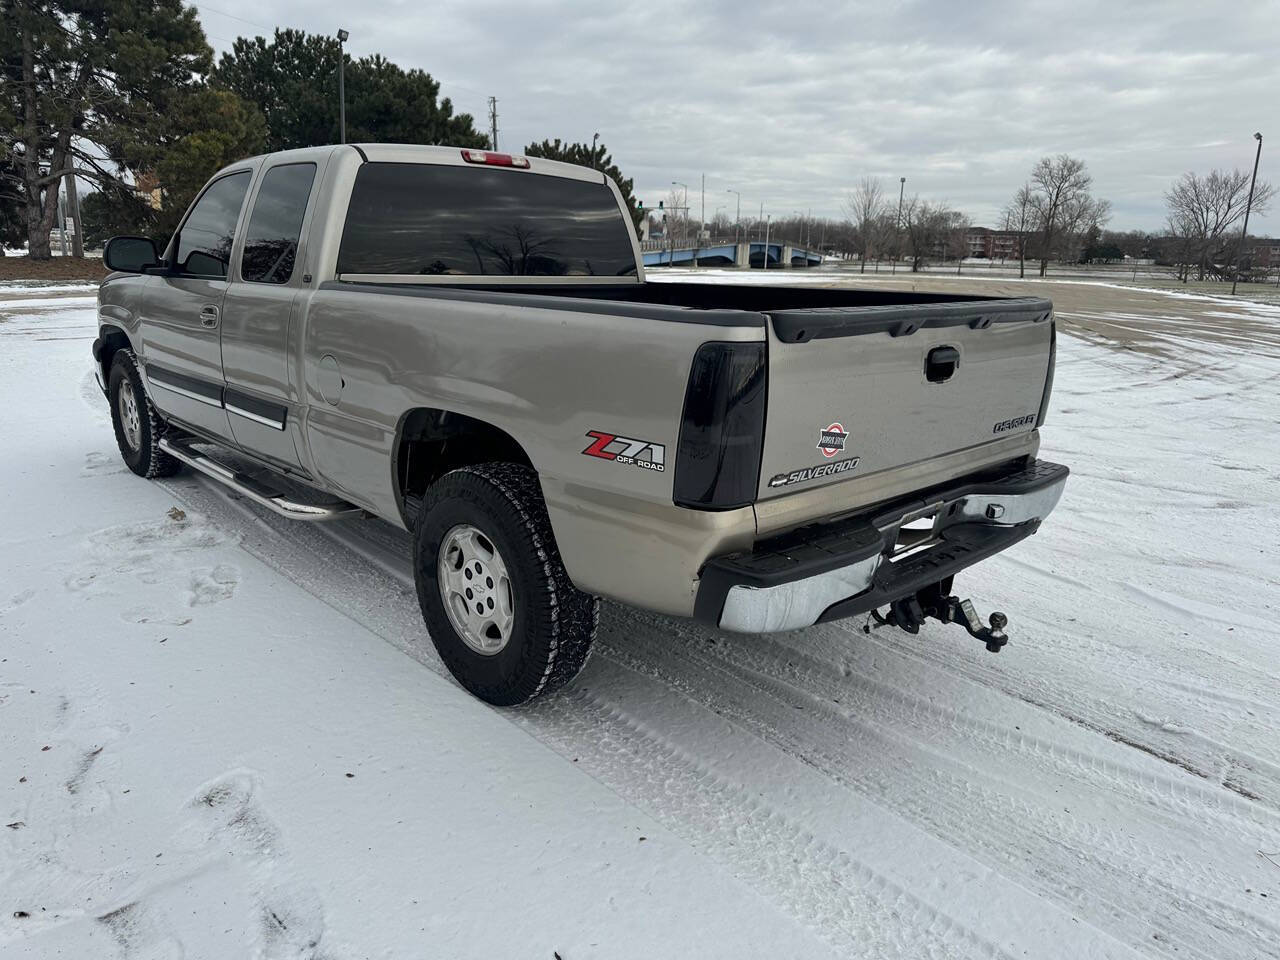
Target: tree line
[
  {"x": 124, "y": 95},
  {"x": 1051, "y": 217},
  {"x": 1054, "y": 215}
]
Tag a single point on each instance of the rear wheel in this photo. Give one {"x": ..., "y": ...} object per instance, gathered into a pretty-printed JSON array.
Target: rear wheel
[
  {"x": 138, "y": 427},
  {"x": 501, "y": 610}
]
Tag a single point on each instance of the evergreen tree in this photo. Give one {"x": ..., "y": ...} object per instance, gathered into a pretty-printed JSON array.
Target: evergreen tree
[
  {"x": 293, "y": 81},
  {"x": 85, "y": 80}
]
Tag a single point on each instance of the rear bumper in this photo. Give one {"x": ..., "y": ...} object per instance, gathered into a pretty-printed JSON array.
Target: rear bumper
[{"x": 831, "y": 570}]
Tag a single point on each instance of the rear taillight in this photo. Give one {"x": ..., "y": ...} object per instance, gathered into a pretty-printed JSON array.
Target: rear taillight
[
  {"x": 722, "y": 431},
  {"x": 491, "y": 159},
  {"x": 1048, "y": 379}
]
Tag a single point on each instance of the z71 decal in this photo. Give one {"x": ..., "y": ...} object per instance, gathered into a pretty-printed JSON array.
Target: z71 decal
[
  {"x": 813, "y": 473},
  {"x": 639, "y": 453}
]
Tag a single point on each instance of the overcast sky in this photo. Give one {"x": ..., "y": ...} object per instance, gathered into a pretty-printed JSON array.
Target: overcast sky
[{"x": 791, "y": 103}]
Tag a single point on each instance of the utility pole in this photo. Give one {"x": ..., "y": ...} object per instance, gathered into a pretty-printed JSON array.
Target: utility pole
[
  {"x": 493, "y": 123},
  {"x": 62, "y": 222},
  {"x": 737, "y": 220},
  {"x": 897, "y": 224},
  {"x": 342, "y": 86},
  {"x": 1244, "y": 232},
  {"x": 73, "y": 218}
]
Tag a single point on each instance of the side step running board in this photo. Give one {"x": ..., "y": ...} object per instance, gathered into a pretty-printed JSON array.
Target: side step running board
[{"x": 255, "y": 489}]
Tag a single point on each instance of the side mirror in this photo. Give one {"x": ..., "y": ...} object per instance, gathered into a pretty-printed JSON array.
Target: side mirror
[{"x": 130, "y": 254}]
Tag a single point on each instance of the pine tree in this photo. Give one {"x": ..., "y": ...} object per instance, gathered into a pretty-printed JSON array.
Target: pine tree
[
  {"x": 292, "y": 79},
  {"x": 90, "y": 87}
]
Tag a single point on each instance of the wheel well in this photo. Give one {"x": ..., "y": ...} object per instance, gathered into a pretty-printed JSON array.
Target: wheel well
[
  {"x": 110, "y": 339},
  {"x": 431, "y": 442}
]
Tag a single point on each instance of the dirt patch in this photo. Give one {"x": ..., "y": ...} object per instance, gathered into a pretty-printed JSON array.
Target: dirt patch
[{"x": 58, "y": 268}]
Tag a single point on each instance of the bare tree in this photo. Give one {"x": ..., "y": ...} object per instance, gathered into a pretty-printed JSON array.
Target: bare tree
[
  {"x": 958, "y": 238},
  {"x": 865, "y": 207},
  {"x": 1203, "y": 210},
  {"x": 1059, "y": 185},
  {"x": 929, "y": 227},
  {"x": 677, "y": 214},
  {"x": 1082, "y": 217},
  {"x": 1020, "y": 218}
]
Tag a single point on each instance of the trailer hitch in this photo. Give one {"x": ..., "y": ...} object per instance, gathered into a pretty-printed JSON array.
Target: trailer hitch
[{"x": 936, "y": 602}]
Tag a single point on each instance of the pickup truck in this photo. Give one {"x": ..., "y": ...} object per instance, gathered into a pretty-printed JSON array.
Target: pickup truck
[{"x": 463, "y": 343}]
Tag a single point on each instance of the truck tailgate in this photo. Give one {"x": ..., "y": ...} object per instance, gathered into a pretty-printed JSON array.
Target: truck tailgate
[{"x": 855, "y": 392}]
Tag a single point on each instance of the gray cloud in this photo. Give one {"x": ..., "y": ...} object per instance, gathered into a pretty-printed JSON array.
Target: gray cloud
[{"x": 792, "y": 103}]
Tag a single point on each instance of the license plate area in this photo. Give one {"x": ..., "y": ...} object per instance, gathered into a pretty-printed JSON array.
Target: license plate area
[{"x": 916, "y": 532}]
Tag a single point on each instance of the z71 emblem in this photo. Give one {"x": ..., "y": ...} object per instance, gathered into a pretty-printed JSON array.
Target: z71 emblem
[{"x": 639, "y": 453}]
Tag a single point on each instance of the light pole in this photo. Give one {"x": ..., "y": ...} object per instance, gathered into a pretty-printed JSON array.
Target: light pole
[
  {"x": 685, "y": 208},
  {"x": 897, "y": 224},
  {"x": 737, "y": 220},
  {"x": 342, "y": 88},
  {"x": 595, "y": 138},
  {"x": 1244, "y": 233},
  {"x": 702, "y": 219},
  {"x": 766, "y": 241}
]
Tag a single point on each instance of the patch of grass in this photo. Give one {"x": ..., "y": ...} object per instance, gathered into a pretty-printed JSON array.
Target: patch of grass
[{"x": 66, "y": 269}]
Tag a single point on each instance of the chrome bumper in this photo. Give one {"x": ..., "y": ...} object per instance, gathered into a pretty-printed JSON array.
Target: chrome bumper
[{"x": 841, "y": 570}]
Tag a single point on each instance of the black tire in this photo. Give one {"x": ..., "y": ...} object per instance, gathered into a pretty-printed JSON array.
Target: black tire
[
  {"x": 554, "y": 623},
  {"x": 137, "y": 440}
]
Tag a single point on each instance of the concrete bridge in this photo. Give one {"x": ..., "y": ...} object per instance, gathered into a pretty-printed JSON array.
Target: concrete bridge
[{"x": 729, "y": 253}]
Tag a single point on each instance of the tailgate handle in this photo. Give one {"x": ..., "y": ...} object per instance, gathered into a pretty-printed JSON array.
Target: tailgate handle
[{"x": 940, "y": 364}]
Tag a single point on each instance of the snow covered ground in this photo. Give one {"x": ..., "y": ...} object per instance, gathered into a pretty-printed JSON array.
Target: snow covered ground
[{"x": 223, "y": 735}]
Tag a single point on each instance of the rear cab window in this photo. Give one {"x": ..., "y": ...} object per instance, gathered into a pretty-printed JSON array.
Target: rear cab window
[
  {"x": 436, "y": 220},
  {"x": 275, "y": 225}
]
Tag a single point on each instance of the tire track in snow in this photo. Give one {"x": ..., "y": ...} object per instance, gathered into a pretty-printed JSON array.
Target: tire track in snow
[
  {"x": 849, "y": 697},
  {"x": 1247, "y": 775},
  {"x": 827, "y": 887},
  {"x": 1020, "y": 837},
  {"x": 324, "y": 560}
]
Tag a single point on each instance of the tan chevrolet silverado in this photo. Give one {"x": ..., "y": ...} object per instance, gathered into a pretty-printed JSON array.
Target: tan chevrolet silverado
[{"x": 464, "y": 344}]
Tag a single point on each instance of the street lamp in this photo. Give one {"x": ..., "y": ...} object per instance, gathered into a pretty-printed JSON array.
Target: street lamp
[
  {"x": 595, "y": 138},
  {"x": 1244, "y": 233},
  {"x": 897, "y": 224},
  {"x": 342, "y": 90},
  {"x": 685, "y": 208}
]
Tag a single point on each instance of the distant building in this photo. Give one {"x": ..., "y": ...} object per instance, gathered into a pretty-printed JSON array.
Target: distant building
[
  {"x": 1263, "y": 253},
  {"x": 148, "y": 187},
  {"x": 992, "y": 244}
]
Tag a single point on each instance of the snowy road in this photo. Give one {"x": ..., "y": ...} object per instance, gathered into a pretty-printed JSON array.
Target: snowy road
[{"x": 1109, "y": 786}]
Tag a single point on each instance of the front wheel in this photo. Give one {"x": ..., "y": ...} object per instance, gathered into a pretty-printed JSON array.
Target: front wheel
[
  {"x": 138, "y": 427},
  {"x": 501, "y": 610}
]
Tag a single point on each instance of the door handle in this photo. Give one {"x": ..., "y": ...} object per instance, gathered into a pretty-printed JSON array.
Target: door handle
[
  {"x": 940, "y": 364},
  {"x": 209, "y": 315}
]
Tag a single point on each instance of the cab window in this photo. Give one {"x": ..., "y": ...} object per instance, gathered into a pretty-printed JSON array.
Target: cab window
[
  {"x": 204, "y": 242},
  {"x": 422, "y": 218},
  {"x": 275, "y": 226}
]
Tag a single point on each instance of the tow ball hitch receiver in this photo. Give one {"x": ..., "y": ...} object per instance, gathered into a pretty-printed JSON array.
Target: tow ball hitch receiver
[{"x": 909, "y": 613}]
